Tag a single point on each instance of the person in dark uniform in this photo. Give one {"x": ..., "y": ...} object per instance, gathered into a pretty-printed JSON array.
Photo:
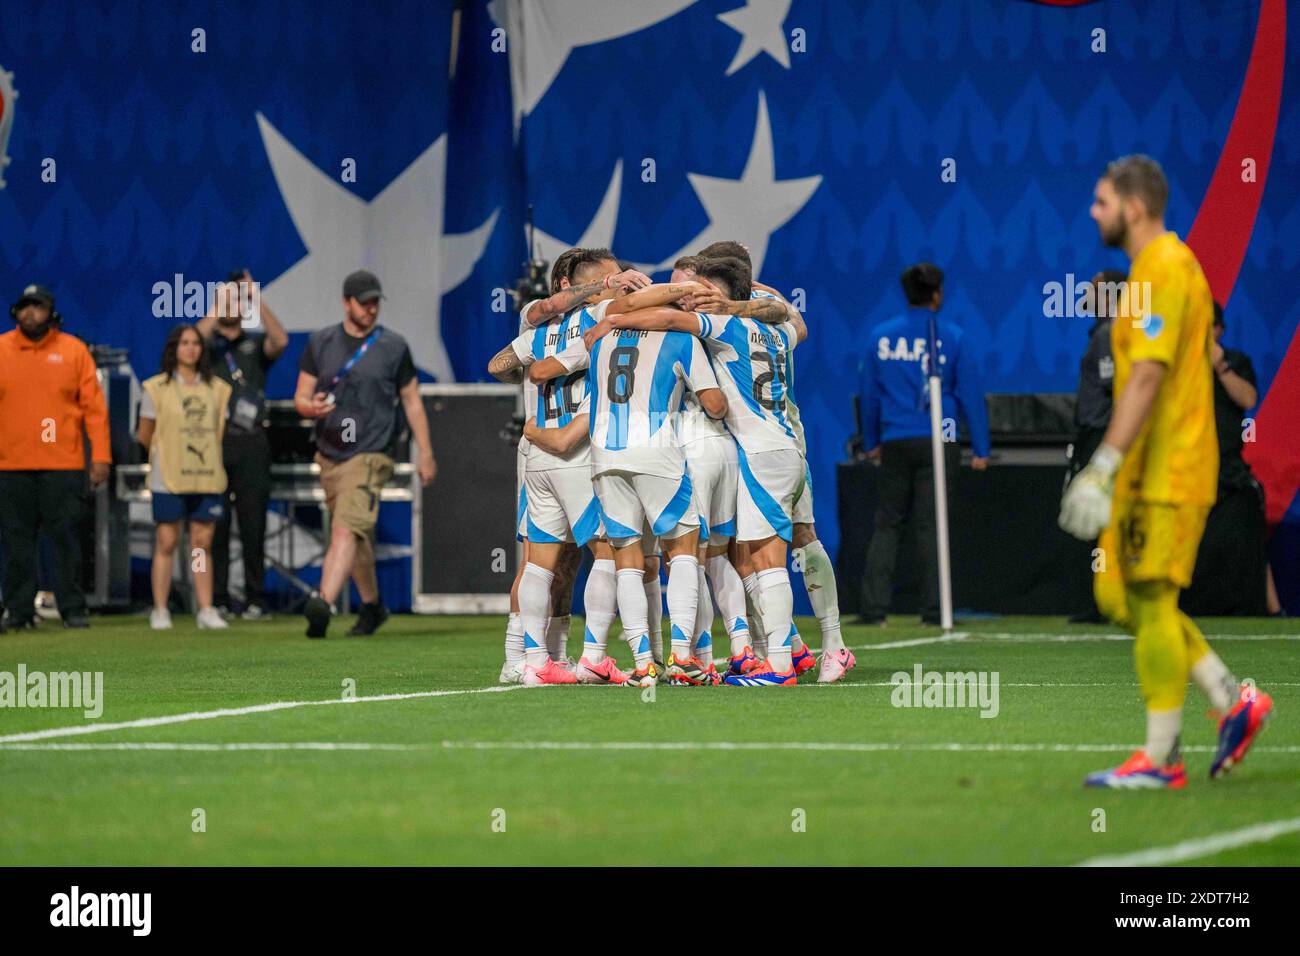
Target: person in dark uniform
[
  {"x": 243, "y": 338},
  {"x": 894, "y": 392},
  {"x": 1231, "y": 574},
  {"x": 1093, "y": 400}
]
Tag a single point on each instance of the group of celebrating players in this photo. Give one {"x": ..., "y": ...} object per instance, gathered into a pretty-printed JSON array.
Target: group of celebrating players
[{"x": 661, "y": 426}]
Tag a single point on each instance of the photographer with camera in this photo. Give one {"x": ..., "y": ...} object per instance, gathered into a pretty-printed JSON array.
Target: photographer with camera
[{"x": 243, "y": 338}]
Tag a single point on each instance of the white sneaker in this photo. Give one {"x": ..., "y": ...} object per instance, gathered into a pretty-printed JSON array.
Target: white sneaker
[
  {"x": 512, "y": 672},
  {"x": 160, "y": 619},
  {"x": 210, "y": 617}
]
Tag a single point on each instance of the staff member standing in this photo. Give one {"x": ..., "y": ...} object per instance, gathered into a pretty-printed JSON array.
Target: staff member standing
[
  {"x": 350, "y": 380},
  {"x": 243, "y": 341},
  {"x": 48, "y": 393},
  {"x": 182, "y": 416},
  {"x": 1093, "y": 399},
  {"x": 894, "y": 393}
]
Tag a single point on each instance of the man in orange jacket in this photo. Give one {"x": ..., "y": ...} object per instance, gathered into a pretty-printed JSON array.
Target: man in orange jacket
[{"x": 48, "y": 393}]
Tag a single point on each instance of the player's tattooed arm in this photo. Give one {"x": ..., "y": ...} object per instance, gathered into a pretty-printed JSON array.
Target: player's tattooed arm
[
  {"x": 565, "y": 301},
  {"x": 653, "y": 295},
  {"x": 506, "y": 366},
  {"x": 559, "y": 441}
]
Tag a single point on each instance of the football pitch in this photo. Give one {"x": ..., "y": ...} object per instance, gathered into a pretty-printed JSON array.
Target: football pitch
[{"x": 241, "y": 748}]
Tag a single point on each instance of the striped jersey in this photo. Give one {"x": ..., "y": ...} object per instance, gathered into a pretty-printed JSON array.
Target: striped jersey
[
  {"x": 555, "y": 403},
  {"x": 637, "y": 383},
  {"x": 753, "y": 364},
  {"x": 791, "y": 406}
]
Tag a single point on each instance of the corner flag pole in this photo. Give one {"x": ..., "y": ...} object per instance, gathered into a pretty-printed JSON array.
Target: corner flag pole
[{"x": 940, "y": 479}]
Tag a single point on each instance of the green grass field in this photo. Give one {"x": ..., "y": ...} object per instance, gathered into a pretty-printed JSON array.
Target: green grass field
[{"x": 604, "y": 776}]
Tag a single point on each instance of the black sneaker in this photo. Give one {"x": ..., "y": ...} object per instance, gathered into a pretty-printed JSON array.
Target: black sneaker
[
  {"x": 21, "y": 624},
  {"x": 76, "y": 621},
  {"x": 317, "y": 613},
  {"x": 369, "y": 619}
]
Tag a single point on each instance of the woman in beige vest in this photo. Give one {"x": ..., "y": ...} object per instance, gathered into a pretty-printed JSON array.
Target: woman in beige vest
[{"x": 182, "y": 416}]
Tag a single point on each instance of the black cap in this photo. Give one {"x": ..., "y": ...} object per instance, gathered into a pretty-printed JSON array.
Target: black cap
[
  {"x": 362, "y": 286},
  {"x": 35, "y": 293}
]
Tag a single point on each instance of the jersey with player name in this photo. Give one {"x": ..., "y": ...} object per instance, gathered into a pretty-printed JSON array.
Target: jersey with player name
[
  {"x": 637, "y": 380},
  {"x": 752, "y": 361},
  {"x": 555, "y": 403},
  {"x": 791, "y": 406}
]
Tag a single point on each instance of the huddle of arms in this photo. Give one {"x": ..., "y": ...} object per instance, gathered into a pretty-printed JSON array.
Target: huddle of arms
[{"x": 564, "y": 301}]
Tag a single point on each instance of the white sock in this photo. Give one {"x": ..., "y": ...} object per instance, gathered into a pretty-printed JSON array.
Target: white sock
[
  {"x": 796, "y": 641},
  {"x": 757, "y": 626},
  {"x": 632, "y": 609},
  {"x": 704, "y": 620},
  {"x": 601, "y": 601},
  {"x": 729, "y": 596},
  {"x": 534, "y": 612},
  {"x": 683, "y": 599},
  {"x": 1163, "y": 727},
  {"x": 778, "y": 614},
  {"x": 557, "y": 636},
  {"x": 514, "y": 639},
  {"x": 1212, "y": 677},
  {"x": 654, "y": 599},
  {"x": 819, "y": 580}
]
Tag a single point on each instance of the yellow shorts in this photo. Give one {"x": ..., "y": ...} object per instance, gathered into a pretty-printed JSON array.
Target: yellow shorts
[
  {"x": 1153, "y": 542},
  {"x": 352, "y": 489}
]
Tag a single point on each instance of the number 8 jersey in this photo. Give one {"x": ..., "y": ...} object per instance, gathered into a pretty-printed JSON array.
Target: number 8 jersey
[
  {"x": 636, "y": 381},
  {"x": 753, "y": 364}
]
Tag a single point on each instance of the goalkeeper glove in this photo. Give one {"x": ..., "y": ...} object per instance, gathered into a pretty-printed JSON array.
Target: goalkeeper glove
[{"x": 1085, "y": 507}]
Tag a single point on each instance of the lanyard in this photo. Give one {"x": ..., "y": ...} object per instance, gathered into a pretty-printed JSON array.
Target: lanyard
[
  {"x": 235, "y": 371},
  {"x": 356, "y": 357}
]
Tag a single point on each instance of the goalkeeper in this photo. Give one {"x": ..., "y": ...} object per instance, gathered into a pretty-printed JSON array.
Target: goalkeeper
[{"x": 1149, "y": 486}]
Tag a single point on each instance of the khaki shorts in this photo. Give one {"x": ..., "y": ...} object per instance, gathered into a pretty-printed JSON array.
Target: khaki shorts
[{"x": 352, "y": 489}]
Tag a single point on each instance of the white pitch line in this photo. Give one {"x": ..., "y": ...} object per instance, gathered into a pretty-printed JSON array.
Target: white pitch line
[
  {"x": 79, "y": 729},
  {"x": 846, "y": 747},
  {"x": 626, "y": 745},
  {"x": 1033, "y": 637},
  {"x": 1204, "y": 846},
  {"x": 306, "y": 745}
]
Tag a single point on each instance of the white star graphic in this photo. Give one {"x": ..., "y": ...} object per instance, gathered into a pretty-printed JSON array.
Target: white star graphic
[
  {"x": 759, "y": 23},
  {"x": 397, "y": 235},
  {"x": 599, "y": 234},
  {"x": 751, "y": 208},
  {"x": 549, "y": 31}
]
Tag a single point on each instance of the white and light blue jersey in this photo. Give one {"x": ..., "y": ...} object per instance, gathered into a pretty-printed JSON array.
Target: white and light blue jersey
[
  {"x": 637, "y": 382},
  {"x": 555, "y": 403},
  {"x": 753, "y": 364},
  {"x": 791, "y": 406}
]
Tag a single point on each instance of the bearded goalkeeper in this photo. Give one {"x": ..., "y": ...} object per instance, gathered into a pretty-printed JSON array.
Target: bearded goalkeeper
[{"x": 1151, "y": 483}]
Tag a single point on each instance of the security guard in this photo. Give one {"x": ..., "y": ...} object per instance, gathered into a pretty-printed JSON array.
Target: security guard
[{"x": 48, "y": 393}]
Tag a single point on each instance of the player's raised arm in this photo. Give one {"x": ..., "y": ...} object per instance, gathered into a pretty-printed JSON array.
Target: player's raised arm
[{"x": 653, "y": 295}]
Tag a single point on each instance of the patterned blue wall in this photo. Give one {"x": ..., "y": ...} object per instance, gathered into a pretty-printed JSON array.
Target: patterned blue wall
[{"x": 161, "y": 167}]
